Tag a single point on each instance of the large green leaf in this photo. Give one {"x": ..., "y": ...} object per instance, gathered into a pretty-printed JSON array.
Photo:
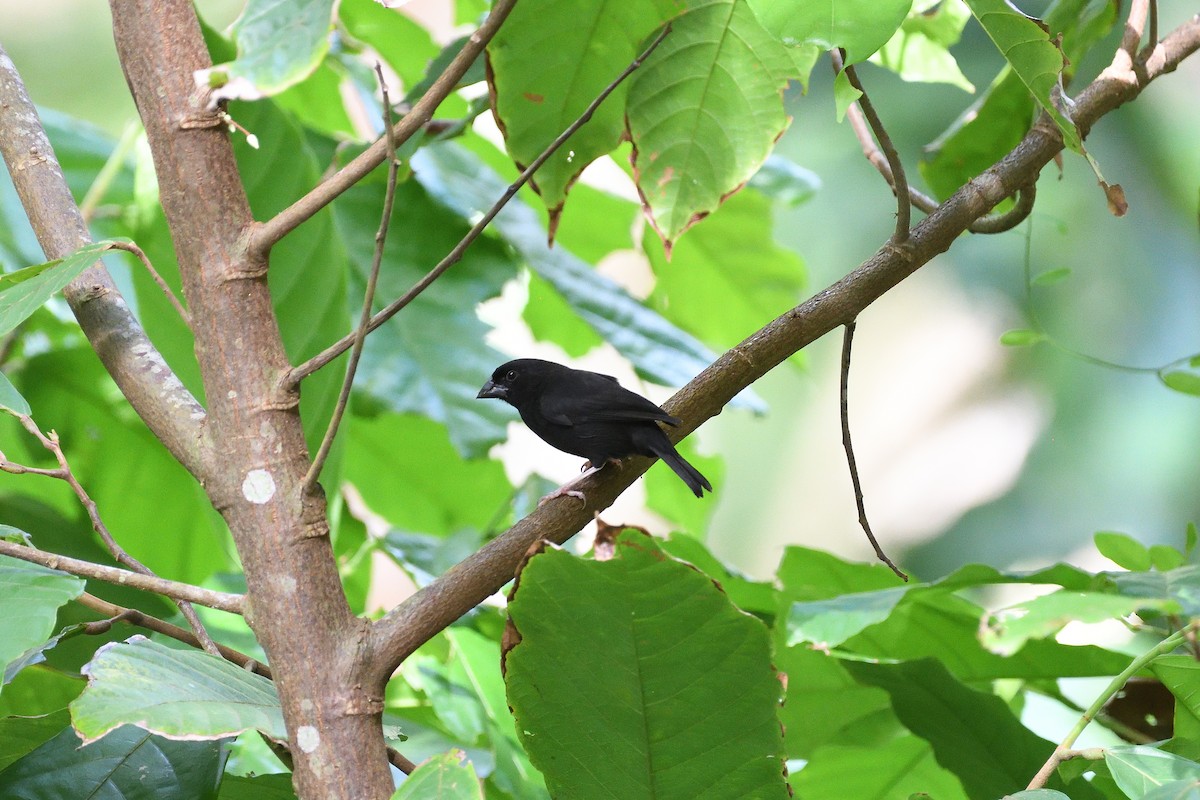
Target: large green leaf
[
  {"x": 30, "y": 596},
  {"x": 704, "y": 112},
  {"x": 640, "y": 663},
  {"x": 279, "y": 44},
  {"x": 548, "y": 62},
  {"x": 257, "y": 787},
  {"x": 129, "y": 764},
  {"x": 177, "y": 693},
  {"x": 859, "y": 26}
]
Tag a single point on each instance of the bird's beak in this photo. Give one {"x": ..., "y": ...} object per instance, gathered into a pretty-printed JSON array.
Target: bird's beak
[{"x": 490, "y": 389}]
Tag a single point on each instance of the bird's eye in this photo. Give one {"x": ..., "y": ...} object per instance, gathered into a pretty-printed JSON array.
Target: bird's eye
[{"x": 511, "y": 375}]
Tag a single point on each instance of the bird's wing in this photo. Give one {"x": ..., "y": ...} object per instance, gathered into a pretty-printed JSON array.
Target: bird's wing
[{"x": 593, "y": 397}]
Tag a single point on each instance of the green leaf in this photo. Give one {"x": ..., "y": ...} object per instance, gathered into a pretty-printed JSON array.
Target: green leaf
[
  {"x": 1180, "y": 585},
  {"x": 829, "y": 623},
  {"x": 22, "y": 735},
  {"x": 279, "y": 44},
  {"x": 26, "y": 290},
  {"x": 1166, "y": 558},
  {"x": 825, "y": 705},
  {"x": 447, "y": 777},
  {"x": 1182, "y": 382},
  {"x": 757, "y": 597},
  {"x": 404, "y": 44},
  {"x": 1123, "y": 550},
  {"x": 900, "y": 767},
  {"x": 407, "y": 470},
  {"x": 859, "y": 26},
  {"x": 1051, "y": 276},
  {"x": 649, "y": 658},
  {"x": 11, "y": 400},
  {"x": 129, "y": 763},
  {"x": 178, "y": 693},
  {"x": 1175, "y": 790},
  {"x": 704, "y": 112},
  {"x": 659, "y": 351},
  {"x": 1190, "y": 538},
  {"x": 30, "y": 596},
  {"x": 1037, "y": 794},
  {"x": 1035, "y": 59},
  {"x": 1021, "y": 337},
  {"x": 1181, "y": 675},
  {"x": 919, "y": 51},
  {"x": 256, "y": 787},
  {"x": 974, "y": 734},
  {"x": 1137, "y": 769},
  {"x": 539, "y": 91}
]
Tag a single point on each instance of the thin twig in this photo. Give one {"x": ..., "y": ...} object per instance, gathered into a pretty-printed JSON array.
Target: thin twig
[
  {"x": 293, "y": 377},
  {"x": 899, "y": 180},
  {"x": 64, "y": 473},
  {"x": 999, "y": 223},
  {"x": 847, "y": 340},
  {"x": 222, "y": 601},
  {"x": 992, "y": 223},
  {"x": 360, "y": 334},
  {"x": 397, "y": 760},
  {"x": 140, "y": 254},
  {"x": 266, "y": 234},
  {"x": 140, "y": 619},
  {"x": 1063, "y": 751}
]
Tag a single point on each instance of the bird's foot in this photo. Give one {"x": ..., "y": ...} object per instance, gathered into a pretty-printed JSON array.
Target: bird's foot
[{"x": 568, "y": 490}]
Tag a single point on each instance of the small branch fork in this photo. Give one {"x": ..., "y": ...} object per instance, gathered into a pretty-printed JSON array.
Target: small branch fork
[
  {"x": 64, "y": 473},
  {"x": 990, "y": 223},
  {"x": 293, "y": 377}
]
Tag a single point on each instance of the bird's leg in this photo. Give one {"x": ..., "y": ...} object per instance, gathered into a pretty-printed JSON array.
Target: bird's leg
[{"x": 566, "y": 489}]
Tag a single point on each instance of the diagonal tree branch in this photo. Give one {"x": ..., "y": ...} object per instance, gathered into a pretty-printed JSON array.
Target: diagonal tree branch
[
  {"x": 472, "y": 580},
  {"x": 153, "y": 390},
  {"x": 265, "y": 234}
]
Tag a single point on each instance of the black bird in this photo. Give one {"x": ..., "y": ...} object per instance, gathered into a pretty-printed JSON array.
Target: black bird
[{"x": 588, "y": 414}]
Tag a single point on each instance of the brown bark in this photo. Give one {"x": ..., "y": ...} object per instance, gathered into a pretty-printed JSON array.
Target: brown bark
[{"x": 297, "y": 607}]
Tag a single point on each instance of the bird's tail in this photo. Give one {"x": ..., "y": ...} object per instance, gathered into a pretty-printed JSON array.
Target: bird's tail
[{"x": 689, "y": 474}]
